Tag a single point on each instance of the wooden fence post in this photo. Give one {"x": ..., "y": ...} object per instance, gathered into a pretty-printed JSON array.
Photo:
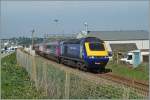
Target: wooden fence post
[
  {"x": 34, "y": 78},
  {"x": 45, "y": 77},
  {"x": 67, "y": 85}
]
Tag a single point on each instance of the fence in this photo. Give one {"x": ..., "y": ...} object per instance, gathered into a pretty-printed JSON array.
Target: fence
[{"x": 58, "y": 81}]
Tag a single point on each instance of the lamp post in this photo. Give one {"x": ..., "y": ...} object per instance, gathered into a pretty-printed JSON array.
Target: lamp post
[
  {"x": 86, "y": 27},
  {"x": 56, "y": 21}
]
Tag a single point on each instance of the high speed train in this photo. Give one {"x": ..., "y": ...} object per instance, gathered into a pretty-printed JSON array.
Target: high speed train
[{"x": 86, "y": 53}]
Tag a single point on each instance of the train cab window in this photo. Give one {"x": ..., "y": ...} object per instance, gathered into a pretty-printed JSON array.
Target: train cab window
[{"x": 96, "y": 46}]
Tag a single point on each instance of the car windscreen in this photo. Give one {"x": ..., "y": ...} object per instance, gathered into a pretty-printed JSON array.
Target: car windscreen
[
  {"x": 96, "y": 46},
  {"x": 129, "y": 57}
]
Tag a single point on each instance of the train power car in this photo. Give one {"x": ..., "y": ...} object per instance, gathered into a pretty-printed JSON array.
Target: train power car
[{"x": 84, "y": 53}]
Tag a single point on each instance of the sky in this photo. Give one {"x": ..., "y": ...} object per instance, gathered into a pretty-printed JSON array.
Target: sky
[{"x": 18, "y": 18}]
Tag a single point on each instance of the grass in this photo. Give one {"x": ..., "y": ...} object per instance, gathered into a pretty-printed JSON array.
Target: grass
[
  {"x": 85, "y": 89},
  {"x": 139, "y": 73},
  {"x": 15, "y": 81}
]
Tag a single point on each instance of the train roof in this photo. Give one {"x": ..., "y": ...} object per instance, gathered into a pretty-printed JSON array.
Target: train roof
[
  {"x": 72, "y": 41},
  {"x": 86, "y": 39},
  {"x": 53, "y": 43}
]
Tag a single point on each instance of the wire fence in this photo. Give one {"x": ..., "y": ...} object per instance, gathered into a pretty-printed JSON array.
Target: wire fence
[{"x": 59, "y": 82}]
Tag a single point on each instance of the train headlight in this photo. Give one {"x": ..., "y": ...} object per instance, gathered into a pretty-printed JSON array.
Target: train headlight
[
  {"x": 91, "y": 57},
  {"x": 106, "y": 56}
]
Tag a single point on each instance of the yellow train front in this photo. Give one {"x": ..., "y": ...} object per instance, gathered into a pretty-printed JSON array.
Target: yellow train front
[{"x": 85, "y": 53}]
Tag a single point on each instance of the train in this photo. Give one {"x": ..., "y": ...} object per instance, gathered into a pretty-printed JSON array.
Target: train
[{"x": 89, "y": 53}]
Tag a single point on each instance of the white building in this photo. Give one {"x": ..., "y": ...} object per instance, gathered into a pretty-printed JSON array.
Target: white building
[{"x": 140, "y": 38}]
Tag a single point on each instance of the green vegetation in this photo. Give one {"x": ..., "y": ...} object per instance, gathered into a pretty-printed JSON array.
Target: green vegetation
[
  {"x": 15, "y": 81},
  {"x": 27, "y": 41},
  {"x": 50, "y": 78},
  {"x": 24, "y": 41},
  {"x": 54, "y": 84},
  {"x": 139, "y": 73},
  {"x": 84, "y": 89},
  {"x": 51, "y": 83}
]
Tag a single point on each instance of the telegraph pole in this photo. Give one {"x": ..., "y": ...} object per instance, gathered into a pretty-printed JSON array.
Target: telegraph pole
[
  {"x": 33, "y": 37},
  {"x": 45, "y": 37}
]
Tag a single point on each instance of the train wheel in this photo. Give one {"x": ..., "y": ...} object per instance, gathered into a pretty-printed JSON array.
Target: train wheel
[
  {"x": 83, "y": 67},
  {"x": 62, "y": 61},
  {"x": 103, "y": 69},
  {"x": 79, "y": 65},
  {"x": 58, "y": 60},
  {"x": 99, "y": 70}
]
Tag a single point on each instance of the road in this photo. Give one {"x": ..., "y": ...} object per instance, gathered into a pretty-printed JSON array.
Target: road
[
  {"x": 5, "y": 54},
  {"x": 2, "y": 55}
]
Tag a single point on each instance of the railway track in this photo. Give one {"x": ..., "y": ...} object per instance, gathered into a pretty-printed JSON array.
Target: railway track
[{"x": 142, "y": 87}]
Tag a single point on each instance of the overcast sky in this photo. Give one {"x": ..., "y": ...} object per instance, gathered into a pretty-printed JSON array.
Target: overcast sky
[{"x": 19, "y": 18}]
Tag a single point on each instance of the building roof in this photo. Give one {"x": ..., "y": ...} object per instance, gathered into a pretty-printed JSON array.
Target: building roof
[
  {"x": 145, "y": 50},
  {"x": 120, "y": 35},
  {"x": 123, "y": 47}
]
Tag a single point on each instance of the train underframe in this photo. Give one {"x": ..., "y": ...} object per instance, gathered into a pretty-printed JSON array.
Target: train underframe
[{"x": 82, "y": 65}]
